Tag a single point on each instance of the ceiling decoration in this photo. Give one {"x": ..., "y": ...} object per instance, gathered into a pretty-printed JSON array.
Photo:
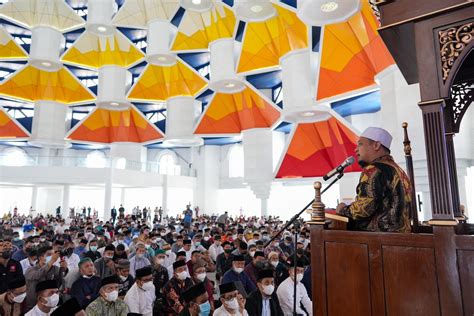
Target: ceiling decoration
[
  {"x": 51, "y": 13},
  {"x": 137, "y": 13},
  {"x": 9, "y": 49},
  {"x": 93, "y": 51},
  {"x": 32, "y": 84},
  {"x": 233, "y": 113},
  {"x": 352, "y": 54},
  {"x": 109, "y": 126},
  {"x": 264, "y": 43},
  {"x": 315, "y": 148},
  {"x": 10, "y": 128},
  {"x": 198, "y": 29},
  {"x": 159, "y": 83}
]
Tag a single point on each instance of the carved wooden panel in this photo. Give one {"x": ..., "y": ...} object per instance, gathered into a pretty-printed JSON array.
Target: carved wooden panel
[
  {"x": 452, "y": 42},
  {"x": 348, "y": 279},
  {"x": 466, "y": 273},
  {"x": 410, "y": 281}
]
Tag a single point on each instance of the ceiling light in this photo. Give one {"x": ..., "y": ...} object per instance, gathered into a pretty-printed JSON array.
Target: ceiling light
[
  {"x": 229, "y": 85},
  {"x": 329, "y": 6},
  {"x": 46, "y": 64},
  {"x": 101, "y": 29},
  {"x": 308, "y": 114},
  {"x": 256, "y": 8},
  {"x": 114, "y": 103},
  {"x": 161, "y": 58},
  {"x": 196, "y": 2}
]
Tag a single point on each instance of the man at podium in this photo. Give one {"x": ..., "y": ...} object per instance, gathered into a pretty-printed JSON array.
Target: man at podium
[{"x": 383, "y": 193}]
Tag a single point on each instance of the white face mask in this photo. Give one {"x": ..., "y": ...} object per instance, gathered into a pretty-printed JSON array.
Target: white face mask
[
  {"x": 53, "y": 300},
  {"x": 160, "y": 261},
  {"x": 252, "y": 253},
  {"x": 268, "y": 289},
  {"x": 238, "y": 270},
  {"x": 122, "y": 278},
  {"x": 201, "y": 276},
  {"x": 232, "y": 304},
  {"x": 299, "y": 277},
  {"x": 149, "y": 286},
  {"x": 112, "y": 296},
  {"x": 274, "y": 263},
  {"x": 182, "y": 275},
  {"x": 20, "y": 298}
]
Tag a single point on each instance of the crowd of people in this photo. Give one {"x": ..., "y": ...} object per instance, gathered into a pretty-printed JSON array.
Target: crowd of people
[{"x": 135, "y": 265}]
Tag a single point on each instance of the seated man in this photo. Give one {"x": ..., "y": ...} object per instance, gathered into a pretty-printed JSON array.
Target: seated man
[
  {"x": 384, "y": 190},
  {"x": 108, "y": 303},
  {"x": 86, "y": 288},
  {"x": 236, "y": 274},
  {"x": 230, "y": 302},
  {"x": 264, "y": 300},
  {"x": 11, "y": 302},
  {"x": 285, "y": 292},
  {"x": 177, "y": 285},
  {"x": 141, "y": 296},
  {"x": 47, "y": 298},
  {"x": 196, "y": 301}
]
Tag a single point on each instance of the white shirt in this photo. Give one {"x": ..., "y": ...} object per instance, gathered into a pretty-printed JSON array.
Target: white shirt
[
  {"x": 169, "y": 259},
  {"x": 138, "y": 263},
  {"x": 25, "y": 265},
  {"x": 140, "y": 301},
  {"x": 35, "y": 311},
  {"x": 285, "y": 297},
  {"x": 72, "y": 261},
  {"x": 221, "y": 311},
  {"x": 214, "y": 251}
]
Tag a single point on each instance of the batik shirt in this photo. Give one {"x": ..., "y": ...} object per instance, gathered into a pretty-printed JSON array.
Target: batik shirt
[{"x": 383, "y": 198}]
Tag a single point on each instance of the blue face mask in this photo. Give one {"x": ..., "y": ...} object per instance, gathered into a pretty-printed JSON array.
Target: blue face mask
[{"x": 204, "y": 309}]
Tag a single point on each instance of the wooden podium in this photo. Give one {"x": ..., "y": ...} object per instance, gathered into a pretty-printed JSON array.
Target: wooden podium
[{"x": 430, "y": 272}]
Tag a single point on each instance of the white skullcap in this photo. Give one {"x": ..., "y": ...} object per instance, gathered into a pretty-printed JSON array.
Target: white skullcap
[{"x": 379, "y": 135}]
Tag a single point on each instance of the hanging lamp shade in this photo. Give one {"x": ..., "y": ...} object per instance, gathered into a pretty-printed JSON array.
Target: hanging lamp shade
[
  {"x": 196, "y": 5},
  {"x": 9, "y": 49},
  {"x": 138, "y": 13},
  {"x": 10, "y": 128},
  {"x": 109, "y": 126},
  {"x": 322, "y": 12},
  {"x": 315, "y": 148},
  {"x": 352, "y": 54}
]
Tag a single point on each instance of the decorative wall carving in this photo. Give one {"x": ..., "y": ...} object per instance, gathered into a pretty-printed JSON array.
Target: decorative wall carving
[
  {"x": 452, "y": 42},
  {"x": 462, "y": 95}
]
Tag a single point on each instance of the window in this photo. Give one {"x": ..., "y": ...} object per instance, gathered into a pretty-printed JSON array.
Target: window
[
  {"x": 96, "y": 159},
  {"x": 168, "y": 165},
  {"x": 236, "y": 162},
  {"x": 14, "y": 157}
]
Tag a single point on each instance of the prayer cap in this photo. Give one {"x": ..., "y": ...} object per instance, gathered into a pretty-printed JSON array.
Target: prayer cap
[
  {"x": 71, "y": 307},
  {"x": 178, "y": 264},
  {"x": 238, "y": 258},
  {"x": 45, "y": 285},
  {"x": 267, "y": 273},
  {"x": 194, "y": 291},
  {"x": 16, "y": 283},
  {"x": 109, "y": 280},
  {"x": 84, "y": 260},
  {"x": 143, "y": 272},
  {"x": 379, "y": 135},
  {"x": 227, "y": 287},
  {"x": 123, "y": 264}
]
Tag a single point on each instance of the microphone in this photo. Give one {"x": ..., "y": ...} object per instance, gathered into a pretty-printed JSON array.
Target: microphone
[{"x": 346, "y": 163}]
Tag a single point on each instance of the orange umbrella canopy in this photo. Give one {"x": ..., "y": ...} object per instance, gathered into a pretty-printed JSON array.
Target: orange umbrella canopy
[
  {"x": 9, "y": 127},
  {"x": 352, "y": 54},
  {"x": 109, "y": 126},
  {"x": 316, "y": 148}
]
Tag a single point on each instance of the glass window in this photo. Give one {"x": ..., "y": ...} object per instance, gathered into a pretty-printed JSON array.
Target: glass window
[
  {"x": 168, "y": 165},
  {"x": 14, "y": 157}
]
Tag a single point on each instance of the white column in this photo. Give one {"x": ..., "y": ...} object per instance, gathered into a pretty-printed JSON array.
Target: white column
[
  {"x": 134, "y": 153},
  {"x": 224, "y": 54},
  {"x": 107, "y": 195},
  {"x": 34, "y": 197},
  {"x": 50, "y": 125},
  {"x": 46, "y": 44},
  {"x": 65, "y": 202},
  {"x": 180, "y": 122},
  {"x": 347, "y": 187},
  {"x": 164, "y": 197},
  {"x": 263, "y": 207},
  {"x": 122, "y": 197},
  {"x": 99, "y": 16},
  {"x": 258, "y": 163},
  {"x": 114, "y": 82},
  {"x": 206, "y": 162},
  {"x": 159, "y": 38}
]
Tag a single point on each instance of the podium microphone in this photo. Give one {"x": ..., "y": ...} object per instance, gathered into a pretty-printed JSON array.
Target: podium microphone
[{"x": 346, "y": 163}]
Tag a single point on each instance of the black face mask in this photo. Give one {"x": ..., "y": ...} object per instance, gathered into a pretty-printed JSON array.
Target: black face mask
[{"x": 6, "y": 254}]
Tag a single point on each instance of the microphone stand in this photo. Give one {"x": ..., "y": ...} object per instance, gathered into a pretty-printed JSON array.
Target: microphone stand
[{"x": 296, "y": 226}]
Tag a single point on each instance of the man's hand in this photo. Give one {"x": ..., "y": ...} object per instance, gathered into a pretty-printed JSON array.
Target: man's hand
[
  {"x": 54, "y": 258},
  {"x": 63, "y": 264},
  {"x": 340, "y": 207},
  {"x": 111, "y": 264}
]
